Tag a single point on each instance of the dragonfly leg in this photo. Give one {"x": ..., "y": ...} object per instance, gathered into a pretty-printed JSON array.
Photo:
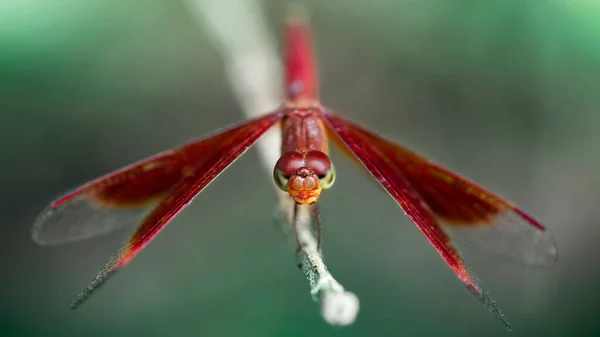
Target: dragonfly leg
[
  {"x": 293, "y": 224},
  {"x": 317, "y": 218}
]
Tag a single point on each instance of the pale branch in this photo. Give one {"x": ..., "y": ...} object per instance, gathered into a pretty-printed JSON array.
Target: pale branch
[{"x": 338, "y": 306}]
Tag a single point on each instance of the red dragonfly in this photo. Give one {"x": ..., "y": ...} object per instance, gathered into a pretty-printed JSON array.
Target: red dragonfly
[{"x": 442, "y": 204}]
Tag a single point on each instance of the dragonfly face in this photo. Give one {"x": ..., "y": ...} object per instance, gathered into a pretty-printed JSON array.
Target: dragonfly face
[{"x": 304, "y": 175}]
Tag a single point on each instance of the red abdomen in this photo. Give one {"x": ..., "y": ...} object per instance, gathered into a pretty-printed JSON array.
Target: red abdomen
[{"x": 300, "y": 77}]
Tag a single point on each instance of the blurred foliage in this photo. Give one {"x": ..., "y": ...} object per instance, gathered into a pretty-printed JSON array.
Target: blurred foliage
[{"x": 503, "y": 91}]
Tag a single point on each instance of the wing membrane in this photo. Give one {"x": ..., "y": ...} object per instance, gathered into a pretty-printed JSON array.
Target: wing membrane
[
  {"x": 211, "y": 156},
  {"x": 116, "y": 199},
  {"x": 126, "y": 195},
  {"x": 472, "y": 215},
  {"x": 83, "y": 217},
  {"x": 432, "y": 196}
]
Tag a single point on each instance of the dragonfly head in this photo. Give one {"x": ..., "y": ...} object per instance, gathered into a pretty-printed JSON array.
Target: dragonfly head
[{"x": 304, "y": 175}]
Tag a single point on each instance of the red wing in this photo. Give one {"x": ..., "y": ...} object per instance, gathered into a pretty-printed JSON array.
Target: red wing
[
  {"x": 111, "y": 201},
  {"x": 125, "y": 196},
  {"x": 471, "y": 214},
  {"x": 430, "y": 195},
  {"x": 204, "y": 160}
]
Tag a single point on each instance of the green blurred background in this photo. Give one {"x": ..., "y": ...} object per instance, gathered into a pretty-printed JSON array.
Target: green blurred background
[{"x": 503, "y": 91}]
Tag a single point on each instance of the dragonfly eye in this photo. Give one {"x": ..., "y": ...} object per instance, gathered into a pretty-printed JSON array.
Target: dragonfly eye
[
  {"x": 287, "y": 165},
  {"x": 290, "y": 162},
  {"x": 281, "y": 180},
  {"x": 326, "y": 180},
  {"x": 319, "y": 163}
]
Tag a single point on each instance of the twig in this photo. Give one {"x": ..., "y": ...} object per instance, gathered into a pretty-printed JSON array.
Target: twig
[
  {"x": 338, "y": 306},
  {"x": 253, "y": 68}
]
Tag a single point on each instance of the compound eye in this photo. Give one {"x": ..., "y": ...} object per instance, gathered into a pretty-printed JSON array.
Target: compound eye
[
  {"x": 289, "y": 163},
  {"x": 319, "y": 163},
  {"x": 326, "y": 180},
  {"x": 281, "y": 180}
]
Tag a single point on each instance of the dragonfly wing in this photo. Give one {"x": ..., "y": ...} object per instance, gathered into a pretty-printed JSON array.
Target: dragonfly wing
[
  {"x": 127, "y": 195},
  {"x": 430, "y": 198},
  {"x": 510, "y": 234},
  {"x": 472, "y": 215},
  {"x": 218, "y": 152},
  {"x": 119, "y": 198}
]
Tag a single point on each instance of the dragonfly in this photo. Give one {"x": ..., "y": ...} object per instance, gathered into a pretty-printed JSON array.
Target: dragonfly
[{"x": 444, "y": 206}]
